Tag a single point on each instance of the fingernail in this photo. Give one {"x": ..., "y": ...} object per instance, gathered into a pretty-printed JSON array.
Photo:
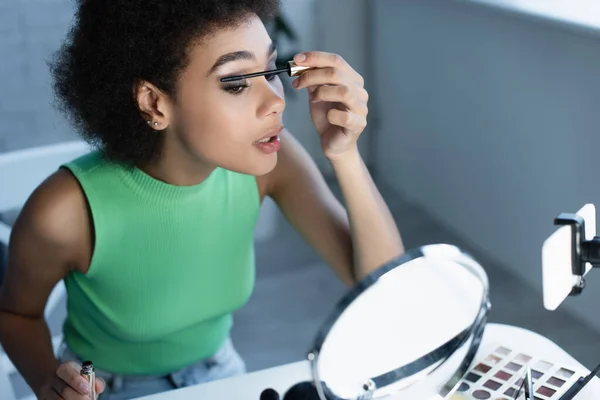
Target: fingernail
[
  {"x": 84, "y": 387},
  {"x": 299, "y": 57},
  {"x": 295, "y": 83}
]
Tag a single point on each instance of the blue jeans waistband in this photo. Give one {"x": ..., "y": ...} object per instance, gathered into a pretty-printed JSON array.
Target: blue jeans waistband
[{"x": 225, "y": 363}]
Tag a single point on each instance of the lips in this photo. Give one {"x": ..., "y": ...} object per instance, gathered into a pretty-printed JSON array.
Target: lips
[
  {"x": 270, "y": 142},
  {"x": 270, "y": 134}
]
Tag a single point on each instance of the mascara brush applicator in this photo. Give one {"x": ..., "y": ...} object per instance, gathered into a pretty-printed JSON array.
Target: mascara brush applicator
[{"x": 291, "y": 69}]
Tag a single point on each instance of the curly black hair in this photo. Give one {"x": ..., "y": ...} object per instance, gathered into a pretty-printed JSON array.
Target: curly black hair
[{"x": 114, "y": 44}]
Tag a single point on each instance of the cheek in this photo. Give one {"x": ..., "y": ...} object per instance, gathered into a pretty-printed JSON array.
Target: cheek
[{"x": 208, "y": 123}]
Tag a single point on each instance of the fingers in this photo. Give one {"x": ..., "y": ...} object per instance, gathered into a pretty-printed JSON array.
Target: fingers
[
  {"x": 321, "y": 76},
  {"x": 64, "y": 391},
  {"x": 333, "y": 80},
  {"x": 342, "y": 94},
  {"x": 324, "y": 76},
  {"x": 321, "y": 59},
  {"x": 61, "y": 390},
  {"x": 100, "y": 385},
  {"x": 349, "y": 121},
  {"x": 69, "y": 373}
]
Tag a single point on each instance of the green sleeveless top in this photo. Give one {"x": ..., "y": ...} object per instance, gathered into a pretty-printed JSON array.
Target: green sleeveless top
[{"x": 169, "y": 266}]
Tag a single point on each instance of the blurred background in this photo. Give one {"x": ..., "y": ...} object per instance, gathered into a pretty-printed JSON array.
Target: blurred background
[{"x": 483, "y": 126}]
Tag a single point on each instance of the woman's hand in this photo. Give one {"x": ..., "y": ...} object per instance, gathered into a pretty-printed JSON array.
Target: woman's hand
[
  {"x": 338, "y": 101},
  {"x": 67, "y": 384}
]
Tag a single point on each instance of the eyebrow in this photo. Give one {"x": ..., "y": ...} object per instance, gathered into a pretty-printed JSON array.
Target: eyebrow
[{"x": 239, "y": 55}]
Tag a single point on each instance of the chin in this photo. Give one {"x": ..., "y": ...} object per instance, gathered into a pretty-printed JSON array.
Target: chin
[
  {"x": 257, "y": 167},
  {"x": 265, "y": 165}
]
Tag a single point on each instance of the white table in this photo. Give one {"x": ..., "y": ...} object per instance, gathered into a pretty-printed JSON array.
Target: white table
[{"x": 281, "y": 378}]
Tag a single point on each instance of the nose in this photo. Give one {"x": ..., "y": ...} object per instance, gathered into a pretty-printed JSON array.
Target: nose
[{"x": 272, "y": 99}]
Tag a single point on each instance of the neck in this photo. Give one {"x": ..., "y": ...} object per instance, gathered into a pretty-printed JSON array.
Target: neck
[{"x": 178, "y": 168}]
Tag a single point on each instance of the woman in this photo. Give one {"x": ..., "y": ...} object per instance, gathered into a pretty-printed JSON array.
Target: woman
[{"x": 153, "y": 232}]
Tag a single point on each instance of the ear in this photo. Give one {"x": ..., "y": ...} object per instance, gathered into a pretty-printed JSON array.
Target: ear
[{"x": 154, "y": 105}]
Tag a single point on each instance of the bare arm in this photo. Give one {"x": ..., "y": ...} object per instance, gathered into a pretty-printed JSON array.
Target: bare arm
[
  {"x": 42, "y": 250},
  {"x": 375, "y": 235},
  {"x": 354, "y": 241}
]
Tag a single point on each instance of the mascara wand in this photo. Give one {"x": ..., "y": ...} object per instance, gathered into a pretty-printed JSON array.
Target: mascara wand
[{"x": 291, "y": 69}]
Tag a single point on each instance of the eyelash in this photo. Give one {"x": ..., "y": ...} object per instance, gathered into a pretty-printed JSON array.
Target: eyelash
[
  {"x": 270, "y": 77},
  {"x": 238, "y": 87}
]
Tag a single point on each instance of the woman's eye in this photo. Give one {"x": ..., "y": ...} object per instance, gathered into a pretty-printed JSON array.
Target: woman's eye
[
  {"x": 270, "y": 77},
  {"x": 236, "y": 87}
]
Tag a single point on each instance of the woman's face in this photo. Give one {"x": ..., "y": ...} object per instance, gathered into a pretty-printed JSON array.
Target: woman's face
[{"x": 220, "y": 122}]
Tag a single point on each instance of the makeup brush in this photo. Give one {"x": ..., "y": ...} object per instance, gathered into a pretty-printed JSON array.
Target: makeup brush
[{"x": 291, "y": 69}]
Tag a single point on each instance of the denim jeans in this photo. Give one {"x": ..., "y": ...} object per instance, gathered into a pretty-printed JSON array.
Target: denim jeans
[{"x": 225, "y": 363}]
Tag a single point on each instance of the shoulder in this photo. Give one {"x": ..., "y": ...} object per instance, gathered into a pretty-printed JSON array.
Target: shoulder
[
  {"x": 47, "y": 241},
  {"x": 56, "y": 215}
]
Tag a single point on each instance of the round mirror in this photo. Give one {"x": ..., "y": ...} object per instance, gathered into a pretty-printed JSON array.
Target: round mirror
[{"x": 408, "y": 331}]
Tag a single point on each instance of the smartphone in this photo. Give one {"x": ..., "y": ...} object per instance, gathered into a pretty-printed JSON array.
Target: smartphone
[{"x": 558, "y": 255}]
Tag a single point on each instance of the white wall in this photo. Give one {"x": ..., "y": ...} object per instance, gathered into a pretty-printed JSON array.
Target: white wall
[{"x": 491, "y": 122}]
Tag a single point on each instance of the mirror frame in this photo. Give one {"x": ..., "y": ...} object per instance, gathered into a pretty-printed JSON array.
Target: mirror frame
[{"x": 442, "y": 353}]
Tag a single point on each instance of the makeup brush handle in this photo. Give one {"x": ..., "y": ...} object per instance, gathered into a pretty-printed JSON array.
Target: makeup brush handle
[{"x": 295, "y": 70}]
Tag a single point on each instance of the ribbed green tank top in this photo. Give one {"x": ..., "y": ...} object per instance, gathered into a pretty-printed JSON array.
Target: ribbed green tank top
[{"x": 169, "y": 266}]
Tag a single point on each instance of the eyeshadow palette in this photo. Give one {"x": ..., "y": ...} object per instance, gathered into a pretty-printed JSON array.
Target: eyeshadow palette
[{"x": 500, "y": 373}]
